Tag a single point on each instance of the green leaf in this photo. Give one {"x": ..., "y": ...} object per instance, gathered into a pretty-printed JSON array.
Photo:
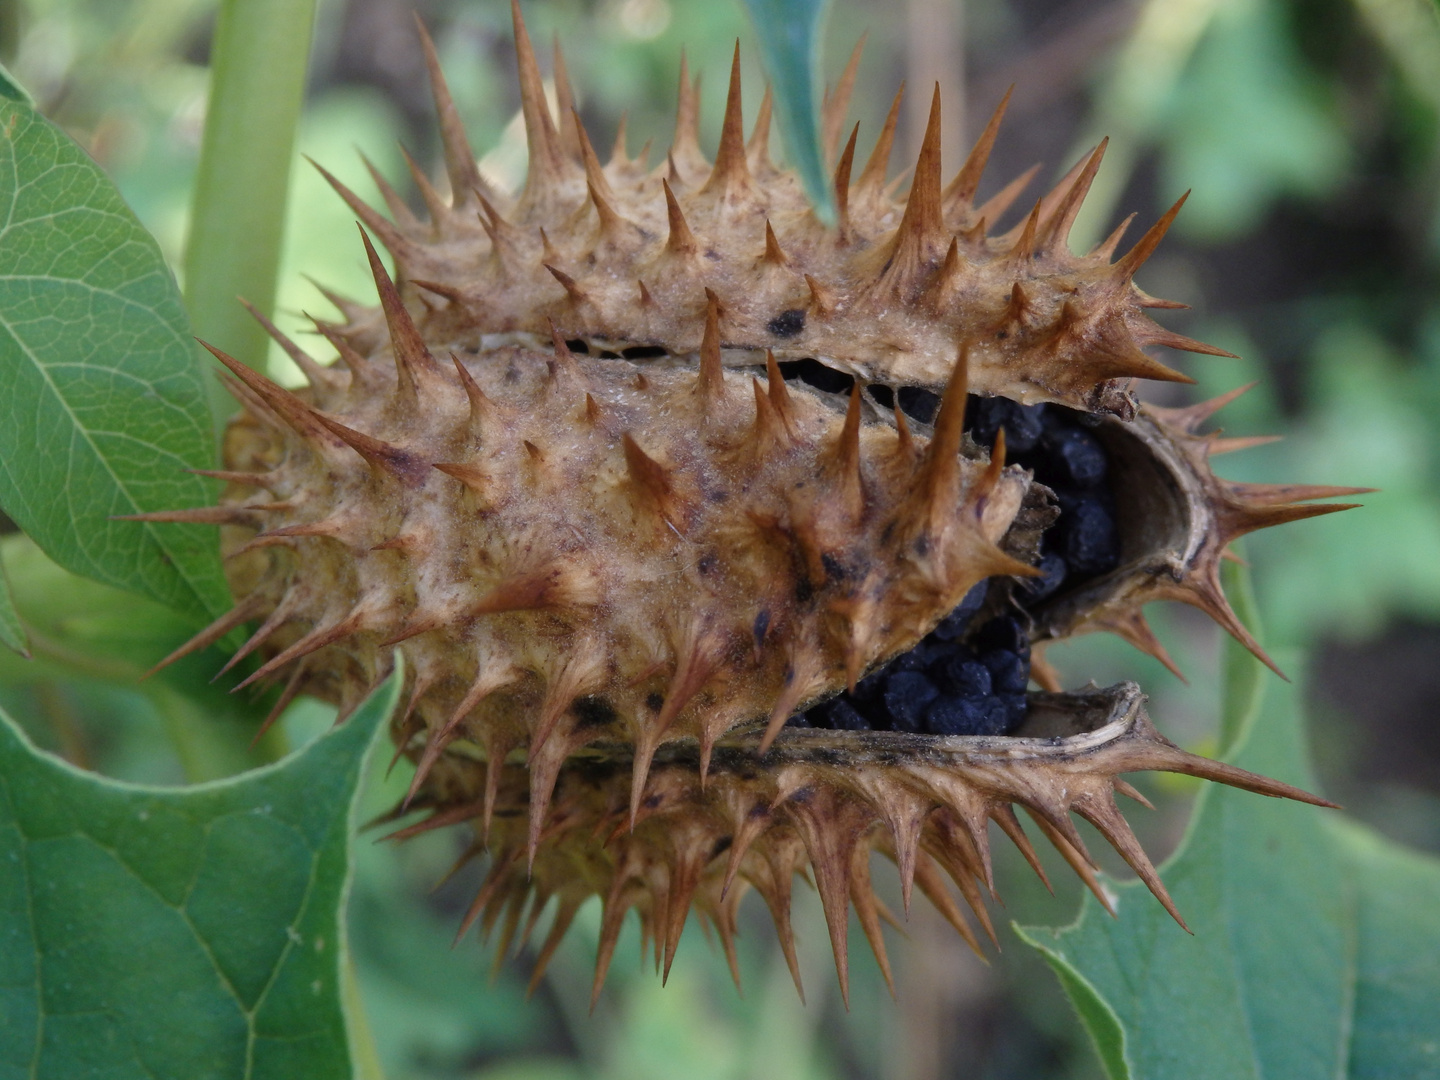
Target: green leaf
[
  {"x": 12, "y": 630},
  {"x": 1262, "y": 988},
  {"x": 187, "y": 933},
  {"x": 101, "y": 402},
  {"x": 1397, "y": 984},
  {"x": 1310, "y": 957},
  {"x": 257, "y": 86},
  {"x": 790, "y": 37}
]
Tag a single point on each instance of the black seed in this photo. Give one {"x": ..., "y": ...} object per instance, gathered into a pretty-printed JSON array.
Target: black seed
[
  {"x": 965, "y": 677},
  {"x": 1078, "y": 457},
  {"x": 642, "y": 352},
  {"x": 845, "y": 717},
  {"x": 967, "y": 716},
  {"x": 871, "y": 687},
  {"x": 1052, "y": 568},
  {"x": 816, "y": 374},
  {"x": 1009, "y": 672},
  {"x": 1003, "y": 633},
  {"x": 1090, "y": 544},
  {"x": 788, "y": 323},
  {"x": 907, "y": 693},
  {"x": 1023, "y": 424},
  {"x": 882, "y": 395},
  {"x": 918, "y": 403},
  {"x": 953, "y": 625},
  {"x": 799, "y": 720}
]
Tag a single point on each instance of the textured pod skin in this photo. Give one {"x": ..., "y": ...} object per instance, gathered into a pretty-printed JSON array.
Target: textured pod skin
[{"x": 613, "y": 578}]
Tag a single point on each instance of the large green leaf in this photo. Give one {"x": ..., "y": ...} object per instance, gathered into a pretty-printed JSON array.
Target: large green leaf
[
  {"x": 1311, "y": 957},
  {"x": 789, "y": 32},
  {"x": 101, "y": 399},
  {"x": 189, "y": 933},
  {"x": 12, "y": 630}
]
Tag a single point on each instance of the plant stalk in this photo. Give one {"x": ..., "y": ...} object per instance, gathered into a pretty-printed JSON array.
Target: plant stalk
[{"x": 257, "y": 86}]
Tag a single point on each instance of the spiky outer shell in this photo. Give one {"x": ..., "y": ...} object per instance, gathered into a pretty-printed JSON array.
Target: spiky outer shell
[
  {"x": 612, "y": 580},
  {"x": 818, "y": 800},
  {"x": 679, "y": 548}
]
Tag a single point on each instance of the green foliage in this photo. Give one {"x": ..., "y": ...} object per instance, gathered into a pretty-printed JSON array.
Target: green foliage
[
  {"x": 182, "y": 934},
  {"x": 261, "y": 48},
  {"x": 789, "y": 34},
  {"x": 12, "y": 630},
  {"x": 1297, "y": 967},
  {"x": 96, "y": 368}
]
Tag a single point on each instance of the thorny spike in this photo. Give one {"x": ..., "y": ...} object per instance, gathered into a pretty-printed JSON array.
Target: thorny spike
[
  {"x": 757, "y": 150},
  {"x": 872, "y": 179},
  {"x": 731, "y": 172},
  {"x": 923, "y": 226},
  {"x": 837, "y": 103},
  {"x": 547, "y": 161},
  {"x": 842, "y": 186},
  {"x": 711, "y": 379},
  {"x": 773, "y": 255},
  {"x": 850, "y": 486},
  {"x": 654, "y": 482},
  {"x": 570, "y": 136},
  {"x": 682, "y": 240},
  {"x": 393, "y": 202},
  {"x": 412, "y": 359},
  {"x": 686, "y": 143},
  {"x": 1058, "y": 228},
  {"x": 459, "y": 158},
  {"x": 397, "y": 243},
  {"x": 994, "y": 207},
  {"x": 241, "y": 612},
  {"x": 779, "y": 392},
  {"x": 435, "y": 204},
  {"x": 1124, "y": 270},
  {"x": 960, "y": 193}
]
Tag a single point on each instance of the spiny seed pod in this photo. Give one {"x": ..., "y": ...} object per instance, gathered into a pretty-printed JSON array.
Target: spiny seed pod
[{"x": 691, "y": 517}]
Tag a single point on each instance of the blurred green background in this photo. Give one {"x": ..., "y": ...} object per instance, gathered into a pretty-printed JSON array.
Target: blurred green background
[{"x": 1308, "y": 131}]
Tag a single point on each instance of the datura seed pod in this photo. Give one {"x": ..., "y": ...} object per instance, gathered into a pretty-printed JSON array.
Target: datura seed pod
[{"x": 715, "y": 538}]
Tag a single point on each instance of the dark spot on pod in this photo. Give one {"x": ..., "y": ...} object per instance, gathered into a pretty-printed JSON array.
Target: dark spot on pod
[
  {"x": 834, "y": 570},
  {"x": 654, "y": 702},
  {"x": 918, "y": 403},
  {"x": 707, "y": 563},
  {"x": 593, "y": 712},
  {"x": 788, "y": 323},
  {"x": 803, "y": 590},
  {"x": 721, "y": 846}
]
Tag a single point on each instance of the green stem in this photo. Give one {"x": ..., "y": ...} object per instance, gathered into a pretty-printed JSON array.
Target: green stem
[{"x": 257, "y": 86}]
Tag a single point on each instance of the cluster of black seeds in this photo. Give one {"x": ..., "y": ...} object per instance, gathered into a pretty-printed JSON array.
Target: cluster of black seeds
[{"x": 969, "y": 679}]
